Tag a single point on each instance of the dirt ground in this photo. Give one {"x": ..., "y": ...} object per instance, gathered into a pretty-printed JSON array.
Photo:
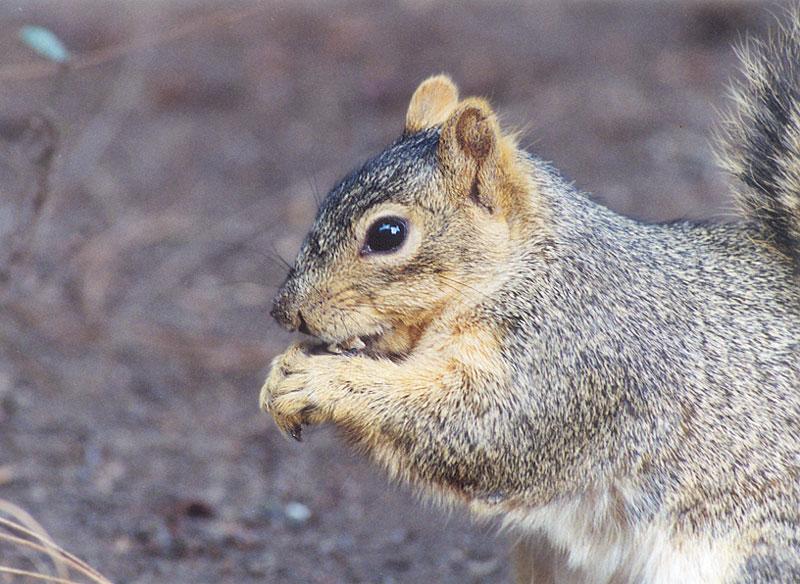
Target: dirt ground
[{"x": 190, "y": 141}]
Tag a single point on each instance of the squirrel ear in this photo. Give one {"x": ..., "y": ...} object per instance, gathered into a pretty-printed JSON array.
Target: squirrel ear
[
  {"x": 472, "y": 129},
  {"x": 468, "y": 148},
  {"x": 431, "y": 103}
]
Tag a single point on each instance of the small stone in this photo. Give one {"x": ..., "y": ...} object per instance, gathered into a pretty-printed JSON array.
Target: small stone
[{"x": 297, "y": 513}]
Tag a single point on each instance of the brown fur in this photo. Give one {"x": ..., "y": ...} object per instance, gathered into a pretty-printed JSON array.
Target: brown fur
[{"x": 431, "y": 103}]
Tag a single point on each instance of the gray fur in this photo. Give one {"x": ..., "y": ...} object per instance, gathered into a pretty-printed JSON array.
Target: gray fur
[{"x": 666, "y": 356}]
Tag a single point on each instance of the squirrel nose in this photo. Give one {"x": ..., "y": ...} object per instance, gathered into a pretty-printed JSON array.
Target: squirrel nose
[
  {"x": 288, "y": 316},
  {"x": 284, "y": 314}
]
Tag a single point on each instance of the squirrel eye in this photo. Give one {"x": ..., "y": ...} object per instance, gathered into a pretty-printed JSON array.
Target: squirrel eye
[{"x": 386, "y": 235}]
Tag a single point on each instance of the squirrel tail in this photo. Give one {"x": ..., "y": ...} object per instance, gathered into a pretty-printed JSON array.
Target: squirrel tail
[{"x": 761, "y": 137}]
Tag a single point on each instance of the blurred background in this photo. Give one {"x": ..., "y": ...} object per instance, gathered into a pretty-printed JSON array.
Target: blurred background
[{"x": 149, "y": 186}]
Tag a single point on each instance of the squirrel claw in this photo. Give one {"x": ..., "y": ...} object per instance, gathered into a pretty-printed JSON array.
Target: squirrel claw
[{"x": 296, "y": 432}]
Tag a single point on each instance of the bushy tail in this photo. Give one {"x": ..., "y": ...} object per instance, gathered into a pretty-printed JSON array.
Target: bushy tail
[{"x": 761, "y": 137}]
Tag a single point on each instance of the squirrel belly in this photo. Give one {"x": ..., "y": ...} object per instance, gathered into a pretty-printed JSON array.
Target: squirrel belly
[{"x": 622, "y": 396}]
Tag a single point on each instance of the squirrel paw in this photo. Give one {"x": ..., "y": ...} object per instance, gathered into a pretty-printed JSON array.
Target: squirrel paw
[{"x": 299, "y": 389}]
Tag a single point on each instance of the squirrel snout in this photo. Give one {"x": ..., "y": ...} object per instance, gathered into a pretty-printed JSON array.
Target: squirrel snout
[
  {"x": 284, "y": 313},
  {"x": 288, "y": 316}
]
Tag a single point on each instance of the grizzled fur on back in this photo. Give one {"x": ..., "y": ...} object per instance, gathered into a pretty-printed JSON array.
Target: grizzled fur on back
[{"x": 669, "y": 353}]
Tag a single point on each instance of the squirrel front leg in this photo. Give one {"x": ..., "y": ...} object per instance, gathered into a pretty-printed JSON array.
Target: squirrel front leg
[{"x": 429, "y": 419}]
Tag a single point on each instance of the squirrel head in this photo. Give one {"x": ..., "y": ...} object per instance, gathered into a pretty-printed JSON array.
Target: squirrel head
[{"x": 418, "y": 228}]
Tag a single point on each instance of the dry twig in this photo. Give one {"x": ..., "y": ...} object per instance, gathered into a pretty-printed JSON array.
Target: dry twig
[
  {"x": 25, "y": 533},
  {"x": 40, "y": 69}
]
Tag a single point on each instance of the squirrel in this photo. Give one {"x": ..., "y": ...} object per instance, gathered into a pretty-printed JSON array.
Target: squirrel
[{"x": 623, "y": 397}]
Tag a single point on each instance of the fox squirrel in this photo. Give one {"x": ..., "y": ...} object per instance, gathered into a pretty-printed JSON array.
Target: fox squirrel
[{"x": 624, "y": 397}]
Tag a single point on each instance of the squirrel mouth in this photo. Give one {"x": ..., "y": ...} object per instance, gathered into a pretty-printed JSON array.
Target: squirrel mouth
[
  {"x": 354, "y": 345},
  {"x": 351, "y": 345}
]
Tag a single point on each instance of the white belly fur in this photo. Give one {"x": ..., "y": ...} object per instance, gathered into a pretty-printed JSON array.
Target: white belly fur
[{"x": 600, "y": 546}]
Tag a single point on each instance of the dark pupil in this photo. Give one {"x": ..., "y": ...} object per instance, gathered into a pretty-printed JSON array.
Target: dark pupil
[{"x": 386, "y": 234}]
